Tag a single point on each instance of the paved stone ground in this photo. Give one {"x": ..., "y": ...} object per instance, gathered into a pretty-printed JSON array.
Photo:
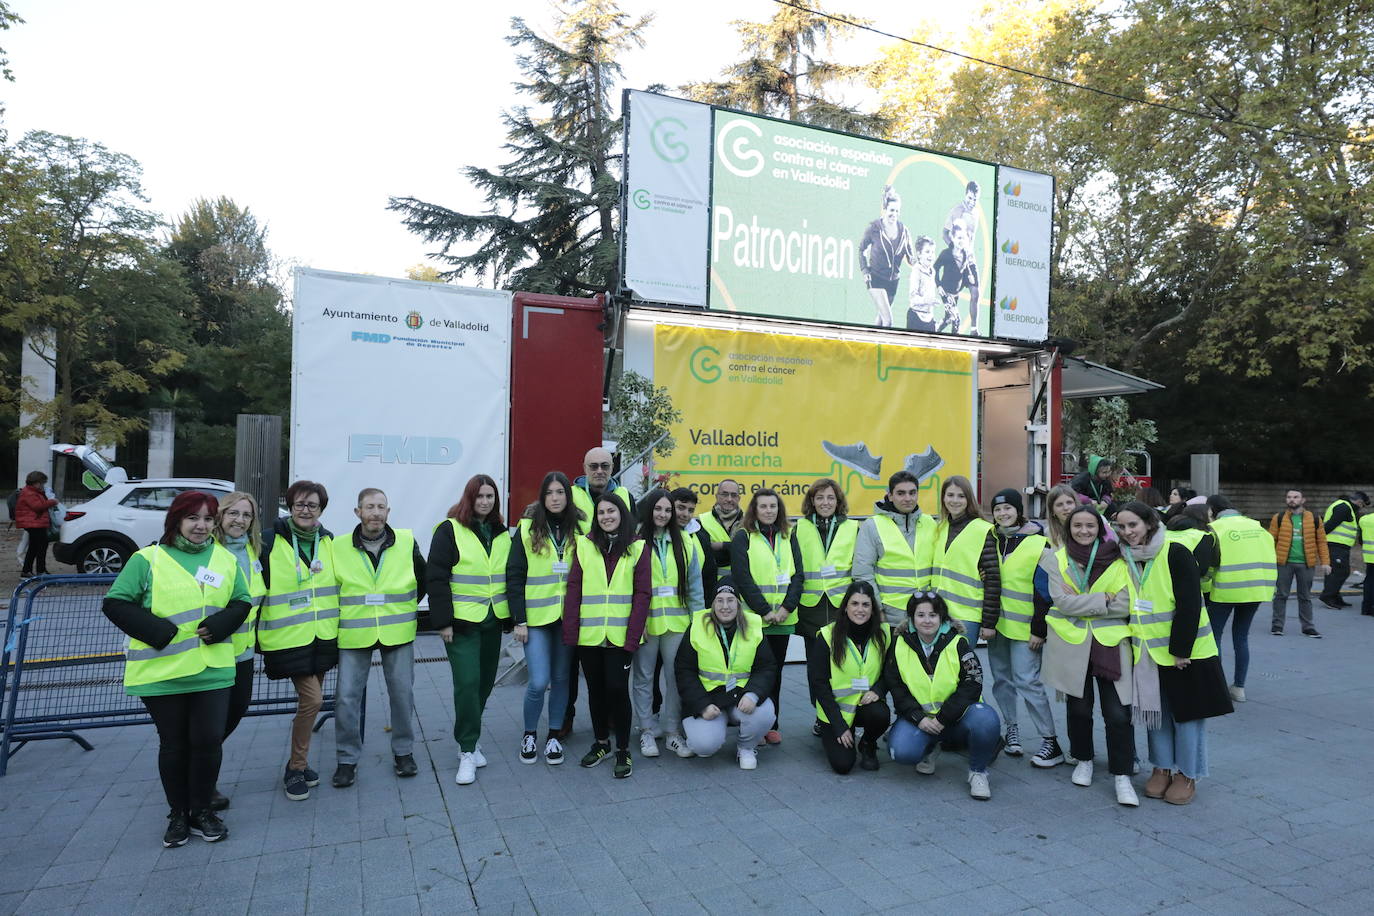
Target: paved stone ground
[{"x": 1283, "y": 825}]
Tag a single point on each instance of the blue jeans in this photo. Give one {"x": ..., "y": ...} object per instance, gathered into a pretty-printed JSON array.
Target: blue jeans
[
  {"x": 1240, "y": 632},
  {"x": 978, "y": 731},
  {"x": 1179, "y": 746},
  {"x": 549, "y": 664}
]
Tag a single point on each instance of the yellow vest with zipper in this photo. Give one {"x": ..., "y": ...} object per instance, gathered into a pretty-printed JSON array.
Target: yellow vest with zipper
[
  {"x": 865, "y": 668},
  {"x": 714, "y": 669},
  {"x": 1073, "y": 630},
  {"x": 1344, "y": 533},
  {"x": 478, "y": 582},
  {"x": 376, "y": 605},
  {"x": 301, "y": 605},
  {"x": 930, "y": 690},
  {"x": 546, "y": 577},
  {"x": 955, "y": 569},
  {"x": 1246, "y": 570},
  {"x": 902, "y": 570},
  {"x": 245, "y": 637},
  {"x": 668, "y": 612},
  {"x": 827, "y": 571},
  {"x": 604, "y": 616},
  {"x": 1151, "y": 626},
  {"x": 1018, "y": 587},
  {"x": 767, "y": 568},
  {"x": 1190, "y": 538},
  {"x": 177, "y": 597}
]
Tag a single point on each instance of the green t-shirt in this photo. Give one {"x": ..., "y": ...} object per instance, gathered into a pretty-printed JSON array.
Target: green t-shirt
[
  {"x": 135, "y": 584},
  {"x": 1296, "y": 553}
]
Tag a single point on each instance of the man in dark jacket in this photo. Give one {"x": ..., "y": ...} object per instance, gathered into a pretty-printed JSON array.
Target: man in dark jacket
[{"x": 1341, "y": 524}]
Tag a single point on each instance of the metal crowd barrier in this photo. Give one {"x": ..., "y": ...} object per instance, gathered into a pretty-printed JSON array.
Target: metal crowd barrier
[{"x": 62, "y": 668}]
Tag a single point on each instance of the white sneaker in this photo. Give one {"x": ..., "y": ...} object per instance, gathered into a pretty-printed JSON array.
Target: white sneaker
[
  {"x": 748, "y": 759},
  {"x": 978, "y": 786},
  {"x": 678, "y": 745},
  {"x": 467, "y": 768},
  {"x": 647, "y": 745},
  {"x": 1125, "y": 792},
  {"x": 553, "y": 752},
  {"x": 1237, "y": 693},
  {"x": 927, "y": 764},
  {"x": 478, "y": 757},
  {"x": 1083, "y": 773}
]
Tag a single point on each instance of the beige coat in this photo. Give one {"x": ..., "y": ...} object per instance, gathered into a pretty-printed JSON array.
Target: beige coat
[{"x": 1064, "y": 665}]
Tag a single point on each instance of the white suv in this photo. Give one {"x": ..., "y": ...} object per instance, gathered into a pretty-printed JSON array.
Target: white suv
[{"x": 100, "y": 535}]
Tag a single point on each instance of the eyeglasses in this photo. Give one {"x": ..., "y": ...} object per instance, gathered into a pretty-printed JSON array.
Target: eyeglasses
[
  {"x": 728, "y": 494},
  {"x": 599, "y": 466},
  {"x": 306, "y": 507},
  {"x": 238, "y": 513}
]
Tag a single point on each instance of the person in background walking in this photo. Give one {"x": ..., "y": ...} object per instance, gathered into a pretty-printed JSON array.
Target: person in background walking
[
  {"x": 1342, "y": 527},
  {"x": 1014, "y": 653},
  {"x": 1179, "y": 681},
  {"x": 536, "y": 580},
  {"x": 766, "y": 563},
  {"x": 1367, "y": 546},
  {"x": 298, "y": 627},
  {"x": 844, "y": 665},
  {"x": 964, "y": 568},
  {"x": 826, "y": 537},
  {"x": 238, "y": 531},
  {"x": 381, "y": 575},
  {"x": 604, "y": 612},
  {"x": 31, "y": 516},
  {"x": 180, "y": 601},
  {"x": 466, "y": 577},
  {"x": 1242, "y": 580},
  {"x": 725, "y": 676}
]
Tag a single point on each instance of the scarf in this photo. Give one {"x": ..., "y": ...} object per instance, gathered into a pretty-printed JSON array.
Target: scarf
[
  {"x": 1147, "y": 709},
  {"x": 1107, "y": 553},
  {"x": 185, "y": 546},
  {"x": 239, "y": 548},
  {"x": 729, "y": 522}
]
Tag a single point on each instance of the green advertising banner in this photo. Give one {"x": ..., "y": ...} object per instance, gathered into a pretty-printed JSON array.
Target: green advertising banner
[{"x": 823, "y": 226}]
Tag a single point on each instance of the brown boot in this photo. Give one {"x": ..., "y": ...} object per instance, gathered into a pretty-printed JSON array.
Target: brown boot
[
  {"x": 1158, "y": 782},
  {"x": 1181, "y": 790}
]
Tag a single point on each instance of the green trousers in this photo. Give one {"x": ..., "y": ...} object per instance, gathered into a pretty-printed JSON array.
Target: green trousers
[{"x": 472, "y": 658}]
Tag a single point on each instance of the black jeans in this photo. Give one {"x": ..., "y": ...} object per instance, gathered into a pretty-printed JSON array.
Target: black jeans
[
  {"x": 190, "y": 731},
  {"x": 607, "y": 671},
  {"x": 873, "y": 719},
  {"x": 1331, "y": 585},
  {"x": 36, "y": 558},
  {"x": 240, "y": 695},
  {"x": 778, "y": 646},
  {"x": 1116, "y": 716}
]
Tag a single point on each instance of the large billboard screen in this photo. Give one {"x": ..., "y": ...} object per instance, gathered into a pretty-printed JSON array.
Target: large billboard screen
[{"x": 824, "y": 226}]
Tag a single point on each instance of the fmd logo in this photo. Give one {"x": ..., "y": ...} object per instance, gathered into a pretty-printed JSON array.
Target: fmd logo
[
  {"x": 369, "y": 337},
  {"x": 391, "y": 449}
]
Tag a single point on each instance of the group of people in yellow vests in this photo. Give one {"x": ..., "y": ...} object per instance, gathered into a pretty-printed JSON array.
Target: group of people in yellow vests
[{"x": 681, "y": 623}]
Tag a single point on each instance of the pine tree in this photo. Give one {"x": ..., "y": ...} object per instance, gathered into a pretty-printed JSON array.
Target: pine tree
[{"x": 550, "y": 224}]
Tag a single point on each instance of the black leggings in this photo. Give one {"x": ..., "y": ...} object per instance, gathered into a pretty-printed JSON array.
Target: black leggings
[
  {"x": 778, "y": 646},
  {"x": 240, "y": 695},
  {"x": 607, "y": 671},
  {"x": 1116, "y": 717},
  {"x": 872, "y": 718},
  {"x": 36, "y": 559},
  {"x": 190, "y": 731}
]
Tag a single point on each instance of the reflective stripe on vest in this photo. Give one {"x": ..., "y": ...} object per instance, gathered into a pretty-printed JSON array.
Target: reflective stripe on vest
[
  {"x": 902, "y": 571},
  {"x": 178, "y": 598},
  {"x": 1018, "y": 587},
  {"x": 1344, "y": 533},
  {"x": 955, "y": 568},
  {"x": 1151, "y": 628},
  {"x": 867, "y": 667},
  {"x": 245, "y": 637},
  {"x": 301, "y": 606},
  {"x": 838, "y": 561},
  {"x": 544, "y": 587},
  {"x": 1367, "y": 537},
  {"x": 930, "y": 690},
  {"x": 1073, "y": 630},
  {"x": 582, "y": 499},
  {"x": 668, "y": 612},
  {"x": 1246, "y": 571},
  {"x": 376, "y": 605},
  {"x": 713, "y": 668},
  {"x": 478, "y": 582},
  {"x": 604, "y": 616},
  {"x": 766, "y": 565}
]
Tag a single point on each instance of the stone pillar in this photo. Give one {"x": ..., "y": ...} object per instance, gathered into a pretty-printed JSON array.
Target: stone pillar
[
  {"x": 1206, "y": 474},
  {"x": 162, "y": 426},
  {"x": 257, "y": 461}
]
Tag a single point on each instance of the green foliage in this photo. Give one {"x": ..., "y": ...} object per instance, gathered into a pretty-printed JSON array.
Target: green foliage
[
  {"x": 550, "y": 221},
  {"x": 641, "y": 414},
  {"x": 1113, "y": 434}
]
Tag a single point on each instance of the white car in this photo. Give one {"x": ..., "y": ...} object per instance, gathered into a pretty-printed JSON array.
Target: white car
[{"x": 100, "y": 535}]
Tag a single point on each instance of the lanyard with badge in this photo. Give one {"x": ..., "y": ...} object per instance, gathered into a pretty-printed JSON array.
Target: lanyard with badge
[
  {"x": 205, "y": 576},
  {"x": 560, "y": 566},
  {"x": 661, "y": 544},
  {"x": 860, "y": 656},
  {"x": 728, "y": 646},
  {"x": 301, "y": 602},
  {"x": 374, "y": 597},
  {"x": 827, "y": 570},
  {"x": 1140, "y": 577},
  {"x": 1082, "y": 580},
  {"x": 776, "y": 547}
]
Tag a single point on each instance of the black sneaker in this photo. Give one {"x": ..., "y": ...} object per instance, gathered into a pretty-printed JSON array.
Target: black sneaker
[
  {"x": 219, "y": 801},
  {"x": 405, "y": 765},
  {"x": 1013, "y": 741},
  {"x": 1276, "y": 631},
  {"x": 598, "y": 753},
  {"x": 868, "y": 756},
  {"x": 553, "y": 750},
  {"x": 178, "y": 832},
  {"x": 1049, "y": 755},
  {"x": 529, "y": 750},
  {"x": 312, "y": 779},
  {"x": 1311, "y": 634},
  {"x": 816, "y": 728},
  {"x": 345, "y": 775},
  {"x": 297, "y": 789},
  {"x": 1334, "y": 605},
  {"x": 623, "y": 765},
  {"x": 207, "y": 825}
]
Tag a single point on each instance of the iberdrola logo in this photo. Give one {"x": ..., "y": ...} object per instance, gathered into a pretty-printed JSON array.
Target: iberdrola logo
[
  {"x": 1010, "y": 247},
  {"x": 1012, "y": 189},
  {"x": 1008, "y": 303},
  {"x": 414, "y": 320}
]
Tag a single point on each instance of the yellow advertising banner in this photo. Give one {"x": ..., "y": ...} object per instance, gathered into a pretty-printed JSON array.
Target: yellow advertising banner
[{"x": 770, "y": 410}]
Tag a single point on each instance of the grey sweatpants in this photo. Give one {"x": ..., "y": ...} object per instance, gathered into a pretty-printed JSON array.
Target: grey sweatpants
[
  {"x": 705, "y": 736},
  {"x": 642, "y": 683}
]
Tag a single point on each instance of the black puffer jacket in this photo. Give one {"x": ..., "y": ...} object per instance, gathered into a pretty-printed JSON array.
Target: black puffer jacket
[
  {"x": 953, "y": 708},
  {"x": 318, "y": 656}
]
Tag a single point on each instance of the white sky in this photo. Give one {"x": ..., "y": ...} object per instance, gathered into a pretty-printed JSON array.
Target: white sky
[{"x": 313, "y": 113}]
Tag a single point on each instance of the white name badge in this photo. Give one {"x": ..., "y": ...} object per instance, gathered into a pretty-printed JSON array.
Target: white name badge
[
  {"x": 317, "y": 567},
  {"x": 859, "y": 683},
  {"x": 209, "y": 577},
  {"x": 257, "y": 566},
  {"x": 300, "y": 602},
  {"x": 730, "y": 682},
  {"x": 374, "y": 599},
  {"x": 784, "y": 579},
  {"x": 1144, "y": 607},
  {"x": 560, "y": 567},
  {"x": 664, "y": 591},
  {"x": 828, "y": 572}
]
